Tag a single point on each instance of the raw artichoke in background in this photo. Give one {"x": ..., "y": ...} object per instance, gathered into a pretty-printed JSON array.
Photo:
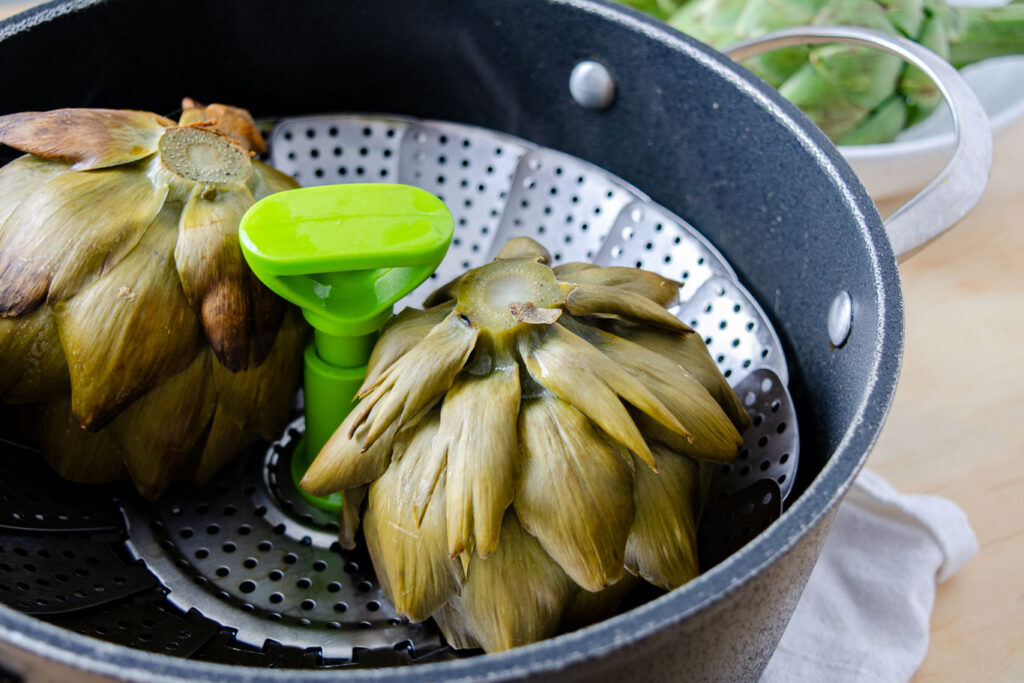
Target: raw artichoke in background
[
  {"x": 856, "y": 95},
  {"x": 129, "y": 321},
  {"x": 528, "y": 442}
]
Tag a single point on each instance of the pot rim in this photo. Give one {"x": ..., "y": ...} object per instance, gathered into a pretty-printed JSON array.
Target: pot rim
[{"x": 77, "y": 652}]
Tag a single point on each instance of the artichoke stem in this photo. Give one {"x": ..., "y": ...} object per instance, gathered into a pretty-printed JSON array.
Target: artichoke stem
[{"x": 983, "y": 32}]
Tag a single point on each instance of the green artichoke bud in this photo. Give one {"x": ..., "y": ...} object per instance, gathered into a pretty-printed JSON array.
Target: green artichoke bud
[
  {"x": 126, "y": 308},
  {"x": 528, "y": 444},
  {"x": 857, "y": 95}
]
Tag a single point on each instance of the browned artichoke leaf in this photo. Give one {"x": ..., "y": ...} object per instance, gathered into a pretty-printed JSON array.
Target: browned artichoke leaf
[
  {"x": 159, "y": 433},
  {"x": 662, "y": 546},
  {"x": 411, "y": 558},
  {"x": 75, "y": 454},
  {"x": 575, "y": 493},
  {"x": 213, "y": 272},
  {"x": 69, "y": 230},
  {"x": 130, "y": 330},
  {"x": 20, "y": 177},
  {"x": 478, "y": 432},
  {"x": 258, "y": 399},
  {"x": 33, "y": 367},
  {"x": 87, "y": 138},
  {"x": 516, "y": 596},
  {"x": 400, "y": 334},
  {"x": 712, "y": 433},
  {"x": 225, "y": 119},
  {"x": 523, "y": 248}
]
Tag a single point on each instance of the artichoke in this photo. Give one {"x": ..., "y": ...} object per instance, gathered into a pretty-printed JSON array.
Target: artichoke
[
  {"x": 129, "y": 323},
  {"x": 856, "y": 95},
  {"x": 526, "y": 443}
]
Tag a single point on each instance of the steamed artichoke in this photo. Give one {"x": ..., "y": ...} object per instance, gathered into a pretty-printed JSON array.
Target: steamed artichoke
[
  {"x": 126, "y": 307},
  {"x": 527, "y": 441},
  {"x": 856, "y": 95}
]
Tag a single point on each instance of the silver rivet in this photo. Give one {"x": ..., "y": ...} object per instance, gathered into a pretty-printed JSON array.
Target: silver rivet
[
  {"x": 592, "y": 86},
  {"x": 840, "y": 318}
]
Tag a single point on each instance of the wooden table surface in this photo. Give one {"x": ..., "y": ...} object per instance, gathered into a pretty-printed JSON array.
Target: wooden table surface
[{"x": 957, "y": 425}]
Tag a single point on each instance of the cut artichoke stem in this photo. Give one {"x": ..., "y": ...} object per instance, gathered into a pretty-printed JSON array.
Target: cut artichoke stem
[
  {"x": 503, "y": 295},
  {"x": 204, "y": 156}
]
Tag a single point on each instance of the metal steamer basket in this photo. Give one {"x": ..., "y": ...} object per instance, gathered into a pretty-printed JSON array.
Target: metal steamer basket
[{"x": 788, "y": 275}]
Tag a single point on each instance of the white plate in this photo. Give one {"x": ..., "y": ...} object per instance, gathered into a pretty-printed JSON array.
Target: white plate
[{"x": 919, "y": 153}]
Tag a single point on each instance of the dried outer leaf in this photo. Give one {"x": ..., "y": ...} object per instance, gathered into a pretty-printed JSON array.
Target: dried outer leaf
[
  {"x": 575, "y": 493},
  {"x": 129, "y": 331},
  {"x": 213, "y": 272},
  {"x": 86, "y": 138},
  {"x": 588, "y": 299},
  {"x": 159, "y": 432},
  {"x": 75, "y": 454},
  {"x": 523, "y": 248},
  {"x": 579, "y": 374},
  {"x": 399, "y": 335},
  {"x": 692, "y": 354},
  {"x": 68, "y": 231},
  {"x": 417, "y": 380},
  {"x": 266, "y": 180},
  {"x": 658, "y": 289},
  {"x": 662, "y": 546},
  {"x": 713, "y": 435},
  {"x": 587, "y": 608},
  {"x": 227, "y": 120},
  {"x": 268, "y": 311},
  {"x": 479, "y": 436},
  {"x": 411, "y": 559},
  {"x": 351, "y": 507},
  {"x": 20, "y": 177},
  {"x": 517, "y": 595},
  {"x": 451, "y": 619},
  {"x": 33, "y": 367}
]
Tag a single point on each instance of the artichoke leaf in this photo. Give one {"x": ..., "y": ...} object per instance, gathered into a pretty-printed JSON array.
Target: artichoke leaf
[
  {"x": 411, "y": 559},
  {"x": 399, "y": 335},
  {"x": 479, "y": 434},
  {"x": 20, "y": 177},
  {"x": 557, "y": 359},
  {"x": 73, "y": 228},
  {"x": 602, "y": 300},
  {"x": 73, "y": 453},
  {"x": 575, "y": 493},
  {"x": 517, "y": 595},
  {"x": 129, "y": 331},
  {"x": 213, "y": 272},
  {"x": 662, "y": 545},
  {"x": 658, "y": 289},
  {"x": 34, "y": 368},
  {"x": 87, "y": 138}
]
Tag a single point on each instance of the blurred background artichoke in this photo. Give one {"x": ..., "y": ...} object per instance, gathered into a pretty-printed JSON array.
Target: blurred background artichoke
[
  {"x": 855, "y": 95},
  {"x": 129, "y": 323},
  {"x": 528, "y": 444}
]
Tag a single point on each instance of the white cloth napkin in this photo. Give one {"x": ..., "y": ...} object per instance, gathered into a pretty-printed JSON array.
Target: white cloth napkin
[{"x": 864, "y": 614}]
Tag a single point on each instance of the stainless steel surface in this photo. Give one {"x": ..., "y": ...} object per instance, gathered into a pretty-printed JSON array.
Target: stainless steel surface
[
  {"x": 958, "y": 187},
  {"x": 591, "y": 85},
  {"x": 840, "y": 318}
]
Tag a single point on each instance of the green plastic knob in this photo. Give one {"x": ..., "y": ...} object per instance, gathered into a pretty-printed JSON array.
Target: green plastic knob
[{"x": 344, "y": 254}]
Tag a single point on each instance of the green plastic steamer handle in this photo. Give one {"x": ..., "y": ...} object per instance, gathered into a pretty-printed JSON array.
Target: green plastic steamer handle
[{"x": 344, "y": 254}]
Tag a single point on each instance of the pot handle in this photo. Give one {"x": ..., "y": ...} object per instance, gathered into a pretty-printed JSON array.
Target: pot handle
[{"x": 960, "y": 184}]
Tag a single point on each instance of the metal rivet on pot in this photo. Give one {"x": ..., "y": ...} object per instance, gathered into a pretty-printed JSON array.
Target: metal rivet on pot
[
  {"x": 840, "y": 318},
  {"x": 592, "y": 86}
]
